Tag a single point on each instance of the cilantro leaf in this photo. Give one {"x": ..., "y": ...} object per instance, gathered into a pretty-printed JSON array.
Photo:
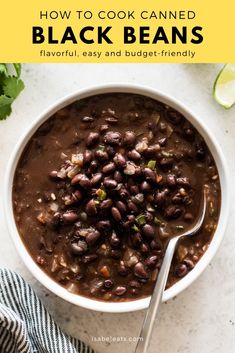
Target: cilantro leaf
[
  {"x": 3, "y": 69},
  {"x": 5, "y": 106},
  {"x": 12, "y": 86},
  {"x": 17, "y": 69}
]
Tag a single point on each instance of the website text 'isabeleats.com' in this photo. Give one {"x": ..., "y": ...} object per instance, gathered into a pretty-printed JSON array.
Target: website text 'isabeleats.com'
[{"x": 116, "y": 339}]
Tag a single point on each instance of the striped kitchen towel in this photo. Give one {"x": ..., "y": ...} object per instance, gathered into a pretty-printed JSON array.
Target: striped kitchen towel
[{"x": 25, "y": 325}]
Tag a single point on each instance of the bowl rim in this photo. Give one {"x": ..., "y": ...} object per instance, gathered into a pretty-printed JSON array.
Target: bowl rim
[{"x": 138, "y": 304}]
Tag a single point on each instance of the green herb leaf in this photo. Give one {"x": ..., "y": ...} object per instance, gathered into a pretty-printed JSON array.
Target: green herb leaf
[
  {"x": 12, "y": 86},
  {"x": 5, "y": 111},
  {"x": 179, "y": 227},
  {"x": 151, "y": 164},
  {"x": 157, "y": 221},
  {"x": 101, "y": 193},
  {"x": 141, "y": 219},
  {"x": 17, "y": 69},
  {"x": 135, "y": 228},
  {"x": 3, "y": 69}
]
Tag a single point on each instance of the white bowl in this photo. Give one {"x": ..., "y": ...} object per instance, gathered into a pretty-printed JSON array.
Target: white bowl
[{"x": 139, "y": 303}]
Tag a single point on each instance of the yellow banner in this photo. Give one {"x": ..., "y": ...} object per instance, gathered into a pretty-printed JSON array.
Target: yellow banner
[{"x": 121, "y": 31}]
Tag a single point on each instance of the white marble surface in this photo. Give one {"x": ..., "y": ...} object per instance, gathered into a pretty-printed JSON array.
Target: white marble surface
[{"x": 202, "y": 318}]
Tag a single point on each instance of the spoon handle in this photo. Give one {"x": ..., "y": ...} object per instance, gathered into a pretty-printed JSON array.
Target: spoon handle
[{"x": 156, "y": 298}]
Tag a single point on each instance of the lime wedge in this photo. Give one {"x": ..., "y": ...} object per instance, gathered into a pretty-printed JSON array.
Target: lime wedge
[{"x": 224, "y": 86}]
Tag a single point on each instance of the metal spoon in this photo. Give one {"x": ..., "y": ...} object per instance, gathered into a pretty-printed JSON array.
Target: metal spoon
[{"x": 156, "y": 298}]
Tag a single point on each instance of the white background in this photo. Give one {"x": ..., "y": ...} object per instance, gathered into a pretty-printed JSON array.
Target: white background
[{"x": 202, "y": 318}]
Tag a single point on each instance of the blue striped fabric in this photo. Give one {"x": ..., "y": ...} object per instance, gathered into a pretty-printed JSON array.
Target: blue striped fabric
[{"x": 25, "y": 325}]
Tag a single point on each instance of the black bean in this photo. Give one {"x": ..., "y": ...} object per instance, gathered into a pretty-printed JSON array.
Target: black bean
[
  {"x": 114, "y": 240},
  {"x": 116, "y": 214},
  {"x": 53, "y": 175},
  {"x": 106, "y": 204},
  {"x": 103, "y": 128},
  {"x": 149, "y": 174},
  {"x": 55, "y": 221},
  {"x": 143, "y": 280},
  {"x": 119, "y": 160},
  {"x": 136, "y": 239},
  {"x": 78, "y": 248},
  {"x": 134, "y": 291},
  {"x": 41, "y": 260},
  {"x": 123, "y": 270},
  {"x": 189, "y": 133},
  {"x": 174, "y": 117},
  {"x": 151, "y": 151},
  {"x": 89, "y": 258},
  {"x": 117, "y": 176},
  {"x": 110, "y": 150},
  {"x": 109, "y": 168},
  {"x": 166, "y": 162},
  {"x": 87, "y": 119},
  {"x": 115, "y": 254},
  {"x": 77, "y": 194},
  {"x": 151, "y": 261},
  {"x": 110, "y": 183},
  {"x": 134, "y": 155},
  {"x": 96, "y": 179},
  {"x": 112, "y": 138},
  {"x": 123, "y": 193},
  {"x": 188, "y": 217},
  {"x": 108, "y": 284},
  {"x": 120, "y": 290},
  {"x": 129, "y": 138},
  {"x": 69, "y": 217},
  {"x": 131, "y": 218},
  {"x": 138, "y": 171},
  {"x": 76, "y": 179},
  {"x": 93, "y": 166},
  {"x": 111, "y": 120},
  {"x": 155, "y": 245},
  {"x": 181, "y": 270},
  {"x": 82, "y": 180},
  {"x": 145, "y": 186},
  {"x": 92, "y": 237},
  {"x": 103, "y": 225},
  {"x": 173, "y": 212},
  {"x": 189, "y": 264},
  {"x": 90, "y": 208},
  {"x": 148, "y": 216},
  {"x": 177, "y": 198},
  {"x": 132, "y": 207},
  {"x": 171, "y": 180},
  {"x": 148, "y": 231},
  {"x": 134, "y": 189},
  {"x": 121, "y": 206},
  {"x": 183, "y": 181},
  {"x": 144, "y": 248},
  {"x": 200, "y": 151},
  {"x": 160, "y": 198},
  {"x": 134, "y": 284},
  {"x": 92, "y": 139},
  {"x": 187, "y": 200},
  {"x": 140, "y": 271},
  {"x": 101, "y": 155}
]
